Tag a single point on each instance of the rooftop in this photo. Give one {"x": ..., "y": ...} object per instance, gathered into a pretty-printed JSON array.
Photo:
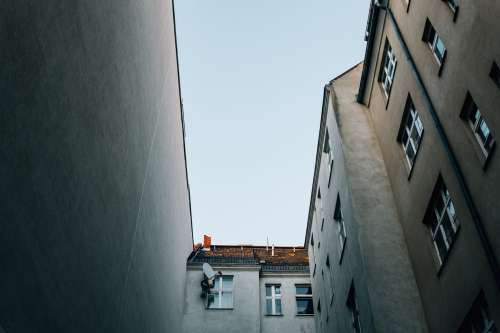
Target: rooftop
[{"x": 284, "y": 258}]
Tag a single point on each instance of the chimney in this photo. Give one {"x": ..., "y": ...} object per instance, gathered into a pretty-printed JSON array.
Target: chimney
[{"x": 207, "y": 240}]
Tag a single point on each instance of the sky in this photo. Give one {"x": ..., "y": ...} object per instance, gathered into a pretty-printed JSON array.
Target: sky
[{"x": 252, "y": 77}]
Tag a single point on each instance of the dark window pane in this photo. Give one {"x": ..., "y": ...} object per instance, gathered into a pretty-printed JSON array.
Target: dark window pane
[
  {"x": 269, "y": 306},
  {"x": 483, "y": 130},
  {"x": 278, "y": 306},
  {"x": 303, "y": 290},
  {"x": 305, "y": 306},
  {"x": 227, "y": 300},
  {"x": 227, "y": 283},
  {"x": 441, "y": 246}
]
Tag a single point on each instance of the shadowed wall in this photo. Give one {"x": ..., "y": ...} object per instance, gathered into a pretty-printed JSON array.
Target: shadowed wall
[{"x": 94, "y": 203}]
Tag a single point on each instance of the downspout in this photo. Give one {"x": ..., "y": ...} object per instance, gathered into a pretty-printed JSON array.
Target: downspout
[
  {"x": 371, "y": 29},
  {"x": 488, "y": 248}
]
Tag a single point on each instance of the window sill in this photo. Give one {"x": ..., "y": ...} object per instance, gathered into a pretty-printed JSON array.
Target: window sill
[
  {"x": 304, "y": 315},
  {"x": 274, "y": 315},
  {"x": 216, "y": 309}
]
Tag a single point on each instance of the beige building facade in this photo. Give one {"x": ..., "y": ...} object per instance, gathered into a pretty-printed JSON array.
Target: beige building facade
[
  {"x": 428, "y": 90},
  {"x": 430, "y": 82}
]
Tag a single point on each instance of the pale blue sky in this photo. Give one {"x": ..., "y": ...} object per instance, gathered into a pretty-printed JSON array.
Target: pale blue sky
[{"x": 252, "y": 78}]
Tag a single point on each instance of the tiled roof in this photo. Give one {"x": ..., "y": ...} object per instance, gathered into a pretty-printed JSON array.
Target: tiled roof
[{"x": 285, "y": 259}]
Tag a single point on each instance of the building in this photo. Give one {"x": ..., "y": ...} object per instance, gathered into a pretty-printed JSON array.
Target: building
[
  {"x": 361, "y": 273},
  {"x": 94, "y": 195},
  {"x": 260, "y": 290},
  {"x": 420, "y": 114}
]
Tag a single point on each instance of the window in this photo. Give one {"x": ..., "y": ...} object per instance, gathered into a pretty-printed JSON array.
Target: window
[
  {"x": 435, "y": 42},
  {"x": 453, "y": 4},
  {"x": 478, "y": 319},
  {"x": 319, "y": 306},
  {"x": 221, "y": 295},
  {"x": 441, "y": 218},
  {"x": 322, "y": 224},
  {"x": 338, "y": 217},
  {"x": 319, "y": 204},
  {"x": 303, "y": 296},
  {"x": 410, "y": 132},
  {"x": 328, "y": 150},
  {"x": 352, "y": 305},
  {"x": 478, "y": 125},
  {"x": 495, "y": 74},
  {"x": 331, "y": 278},
  {"x": 273, "y": 299},
  {"x": 388, "y": 69}
]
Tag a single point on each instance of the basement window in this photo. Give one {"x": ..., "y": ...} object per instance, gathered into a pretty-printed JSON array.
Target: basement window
[{"x": 273, "y": 300}]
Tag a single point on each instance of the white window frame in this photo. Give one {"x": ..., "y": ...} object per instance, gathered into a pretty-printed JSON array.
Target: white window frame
[
  {"x": 303, "y": 296},
  {"x": 433, "y": 45},
  {"x": 453, "y": 4},
  {"x": 411, "y": 122},
  {"x": 439, "y": 229},
  {"x": 388, "y": 70},
  {"x": 220, "y": 291},
  {"x": 273, "y": 298},
  {"x": 476, "y": 119}
]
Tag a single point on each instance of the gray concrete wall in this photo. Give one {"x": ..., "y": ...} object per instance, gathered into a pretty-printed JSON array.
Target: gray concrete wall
[
  {"x": 245, "y": 315},
  {"x": 447, "y": 292},
  {"x": 95, "y": 219},
  {"x": 289, "y": 321},
  {"x": 375, "y": 257}
]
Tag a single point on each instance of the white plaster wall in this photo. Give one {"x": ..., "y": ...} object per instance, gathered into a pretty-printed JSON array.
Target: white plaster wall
[
  {"x": 289, "y": 322},
  {"x": 245, "y": 315}
]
